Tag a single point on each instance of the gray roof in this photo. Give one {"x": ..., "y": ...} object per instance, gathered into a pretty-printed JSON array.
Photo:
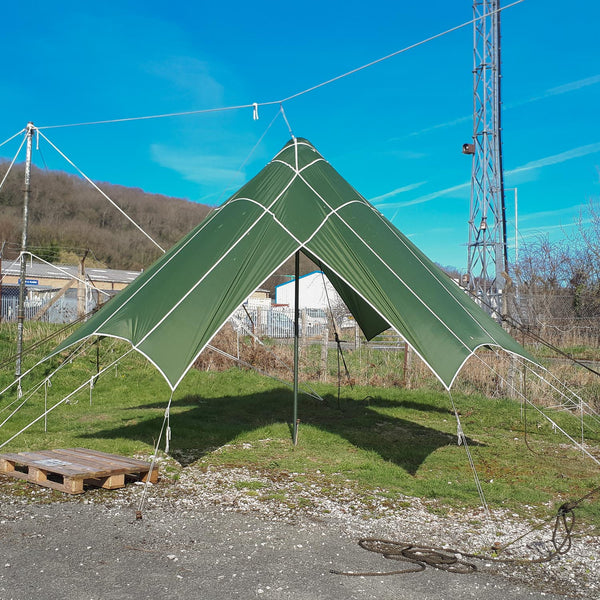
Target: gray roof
[{"x": 37, "y": 270}]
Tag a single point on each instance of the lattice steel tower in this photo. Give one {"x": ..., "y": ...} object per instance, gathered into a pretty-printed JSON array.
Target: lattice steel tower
[{"x": 487, "y": 253}]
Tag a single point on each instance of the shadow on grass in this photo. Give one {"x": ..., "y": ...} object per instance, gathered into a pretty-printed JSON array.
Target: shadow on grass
[{"x": 202, "y": 424}]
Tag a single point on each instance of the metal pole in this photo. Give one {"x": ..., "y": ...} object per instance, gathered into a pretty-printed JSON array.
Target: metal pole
[
  {"x": 1, "y": 253},
  {"x": 296, "y": 342},
  {"x": 516, "y": 230},
  {"x": 81, "y": 291},
  {"x": 21, "y": 310}
]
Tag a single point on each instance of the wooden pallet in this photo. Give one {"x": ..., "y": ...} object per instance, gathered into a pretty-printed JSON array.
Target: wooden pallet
[{"x": 68, "y": 470}]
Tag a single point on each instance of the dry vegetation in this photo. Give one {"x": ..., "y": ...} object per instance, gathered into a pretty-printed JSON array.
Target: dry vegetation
[
  {"x": 66, "y": 213},
  {"x": 492, "y": 374}
]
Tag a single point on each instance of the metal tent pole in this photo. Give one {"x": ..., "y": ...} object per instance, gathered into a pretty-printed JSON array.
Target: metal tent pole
[
  {"x": 21, "y": 309},
  {"x": 296, "y": 342}
]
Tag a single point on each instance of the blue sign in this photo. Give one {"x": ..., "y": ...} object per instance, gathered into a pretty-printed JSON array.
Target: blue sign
[{"x": 31, "y": 281}]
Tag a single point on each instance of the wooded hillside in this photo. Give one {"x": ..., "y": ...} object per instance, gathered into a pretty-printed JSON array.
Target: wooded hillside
[{"x": 67, "y": 215}]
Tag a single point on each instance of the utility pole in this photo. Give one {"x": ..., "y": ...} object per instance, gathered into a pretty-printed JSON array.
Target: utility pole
[
  {"x": 21, "y": 310},
  {"x": 487, "y": 249}
]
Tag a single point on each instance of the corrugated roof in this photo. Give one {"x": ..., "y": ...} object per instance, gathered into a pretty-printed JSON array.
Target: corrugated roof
[{"x": 38, "y": 270}]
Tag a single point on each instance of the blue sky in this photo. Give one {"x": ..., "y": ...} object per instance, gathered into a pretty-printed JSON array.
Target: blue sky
[{"x": 394, "y": 130}]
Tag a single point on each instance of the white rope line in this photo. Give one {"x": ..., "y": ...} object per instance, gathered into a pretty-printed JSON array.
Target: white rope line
[
  {"x": 12, "y": 162},
  {"x": 409, "y": 288},
  {"x": 576, "y": 404},
  {"x": 440, "y": 280},
  {"x": 576, "y": 401},
  {"x": 282, "y": 362},
  {"x": 155, "y": 454},
  {"x": 48, "y": 379},
  {"x": 18, "y": 380},
  {"x": 11, "y": 266},
  {"x": 462, "y": 439},
  {"x": 402, "y": 51},
  {"x": 334, "y": 211},
  {"x": 69, "y": 358},
  {"x": 151, "y": 278},
  {"x": 191, "y": 364},
  {"x": 216, "y": 264},
  {"x": 287, "y": 122},
  {"x": 23, "y": 375},
  {"x": 394, "y": 274},
  {"x": 36, "y": 388},
  {"x": 559, "y": 428},
  {"x": 103, "y": 194},
  {"x": 255, "y": 105},
  {"x": 83, "y": 385},
  {"x": 65, "y": 272},
  {"x": 12, "y": 137},
  {"x": 260, "y": 139},
  {"x": 579, "y": 405},
  {"x": 525, "y": 399},
  {"x": 161, "y": 116}
]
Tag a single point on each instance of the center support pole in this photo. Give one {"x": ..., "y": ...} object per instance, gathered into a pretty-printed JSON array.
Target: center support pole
[{"x": 296, "y": 343}]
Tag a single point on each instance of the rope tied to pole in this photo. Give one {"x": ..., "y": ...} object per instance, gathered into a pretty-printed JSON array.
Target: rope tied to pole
[{"x": 165, "y": 426}]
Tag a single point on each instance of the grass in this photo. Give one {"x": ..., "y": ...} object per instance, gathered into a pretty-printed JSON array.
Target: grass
[{"x": 386, "y": 438}]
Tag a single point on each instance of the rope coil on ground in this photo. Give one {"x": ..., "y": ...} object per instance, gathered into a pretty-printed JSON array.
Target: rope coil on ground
[
  {"x": 418, "y": 556},
  {"x": 453, "y": 561}
]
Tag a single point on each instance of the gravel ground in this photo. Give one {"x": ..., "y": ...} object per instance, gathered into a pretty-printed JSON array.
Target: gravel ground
[{"x": 226, "y": 533}]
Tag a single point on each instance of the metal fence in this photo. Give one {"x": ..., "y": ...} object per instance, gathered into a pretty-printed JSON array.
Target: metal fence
[
  {"x": 278, "y": 322},
  {"x": 63, "y": 310},
  {"x": 562, "y": 316}
]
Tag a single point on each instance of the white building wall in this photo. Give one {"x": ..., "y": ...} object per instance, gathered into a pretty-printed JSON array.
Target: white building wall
[{"x": 312, "y": 292}]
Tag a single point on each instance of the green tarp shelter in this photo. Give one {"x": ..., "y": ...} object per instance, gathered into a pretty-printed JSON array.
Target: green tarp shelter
[{"x": 298, "y": 202}]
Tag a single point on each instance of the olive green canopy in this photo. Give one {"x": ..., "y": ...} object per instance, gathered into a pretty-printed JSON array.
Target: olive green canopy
[{"x": 298, "y": 202}]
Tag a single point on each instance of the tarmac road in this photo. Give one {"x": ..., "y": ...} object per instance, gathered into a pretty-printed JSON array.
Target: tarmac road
[{"x": 94, "y": 552}]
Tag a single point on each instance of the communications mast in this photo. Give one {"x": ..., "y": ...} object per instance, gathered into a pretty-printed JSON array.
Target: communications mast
[{"x": 487, "y": 250}]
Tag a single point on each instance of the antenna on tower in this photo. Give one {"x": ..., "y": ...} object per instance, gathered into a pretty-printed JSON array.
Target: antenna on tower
[{"x": 487, "y": 249}]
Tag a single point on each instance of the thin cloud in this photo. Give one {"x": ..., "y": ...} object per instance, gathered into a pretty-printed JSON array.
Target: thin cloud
[
  {"x": 574, "y": 86},
  {"x": 530, "y": 166},
  {"x": 566, "y": 88},
  {"x": 569, "y": 210},
  {"x": 556, "y": 159},
  {"x": 379, "y": 200},
  {"x": 192, "y": 77},
  {"x": 429, "y": 197},
  {"x": 200, "y": 168},
  {"x": 450, "y": 123}
]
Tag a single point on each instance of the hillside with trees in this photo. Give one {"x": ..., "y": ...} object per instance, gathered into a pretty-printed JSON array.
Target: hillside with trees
[{"x": 68, "y": 216}]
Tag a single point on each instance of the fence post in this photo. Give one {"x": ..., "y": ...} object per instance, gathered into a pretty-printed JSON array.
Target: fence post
[
  {"x": 324, "y": 353},
  {"x": 406, "y": 366},
  {"x": 304, "y": 328},
  {"x": 513, "y": 377}
]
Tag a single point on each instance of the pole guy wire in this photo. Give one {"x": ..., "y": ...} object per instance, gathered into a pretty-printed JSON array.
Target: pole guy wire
[{"x": 255, "y": 105}]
